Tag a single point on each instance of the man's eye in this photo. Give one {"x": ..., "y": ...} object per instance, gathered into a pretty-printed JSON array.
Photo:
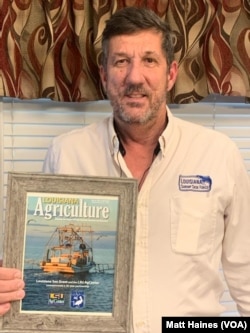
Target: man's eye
[
  {"x": 121, "y": 62},
  {"x": 150, "y": 60}
]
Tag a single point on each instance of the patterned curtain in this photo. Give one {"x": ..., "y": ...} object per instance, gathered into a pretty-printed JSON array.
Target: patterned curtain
[{"x": 51, "y": 48}]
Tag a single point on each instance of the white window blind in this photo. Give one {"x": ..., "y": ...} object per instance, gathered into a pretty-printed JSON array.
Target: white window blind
[{"x": 27, "y": 128}]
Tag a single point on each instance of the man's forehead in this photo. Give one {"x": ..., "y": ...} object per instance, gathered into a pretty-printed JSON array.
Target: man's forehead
[{"x": 142, "y": 42}]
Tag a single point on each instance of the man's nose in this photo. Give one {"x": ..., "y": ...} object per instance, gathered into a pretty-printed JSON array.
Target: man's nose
[{"x": 135, "y": 73}]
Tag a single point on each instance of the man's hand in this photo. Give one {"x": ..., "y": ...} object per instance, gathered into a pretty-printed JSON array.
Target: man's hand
[{"x": 11, "y": 288}]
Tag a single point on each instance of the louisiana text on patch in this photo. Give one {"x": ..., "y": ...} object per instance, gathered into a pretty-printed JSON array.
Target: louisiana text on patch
[{"x": 195, "y": 183}]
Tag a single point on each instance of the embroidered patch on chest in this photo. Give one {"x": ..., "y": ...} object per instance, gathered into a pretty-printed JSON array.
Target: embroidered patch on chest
[{"x": 195, "y": 183}]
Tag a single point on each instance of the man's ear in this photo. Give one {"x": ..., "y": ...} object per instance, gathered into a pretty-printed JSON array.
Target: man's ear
[
  {"x": 103, "y": 76},
  {"x": 172, "y": 75}
]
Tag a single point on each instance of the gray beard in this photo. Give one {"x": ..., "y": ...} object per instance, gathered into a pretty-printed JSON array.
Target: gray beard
[
  {"x": 119, "y": 109},
  {"x": 149, "y": 115}
]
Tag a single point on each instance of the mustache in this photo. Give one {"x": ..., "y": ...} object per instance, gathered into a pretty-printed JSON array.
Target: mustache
[{"x": 135, "y": 88}]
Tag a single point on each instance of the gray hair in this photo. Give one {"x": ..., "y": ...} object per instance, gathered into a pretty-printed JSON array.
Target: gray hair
[{"x": 132, "y": 19}]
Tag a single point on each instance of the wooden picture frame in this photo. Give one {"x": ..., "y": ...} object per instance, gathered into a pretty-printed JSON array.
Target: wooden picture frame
[{"x": 21, "y": 233}]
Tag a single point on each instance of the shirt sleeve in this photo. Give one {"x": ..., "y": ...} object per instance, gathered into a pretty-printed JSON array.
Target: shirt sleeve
[
  {"x": 49, "y": 161},
  {"x": 236, "y": 243}
]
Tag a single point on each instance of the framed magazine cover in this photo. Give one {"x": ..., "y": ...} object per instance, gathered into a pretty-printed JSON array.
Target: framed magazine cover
[{"x": 73, "y": 237}]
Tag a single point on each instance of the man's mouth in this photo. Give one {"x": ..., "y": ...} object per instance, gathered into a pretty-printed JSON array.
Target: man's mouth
[
  {"x": 135, "y": 96},
  {"x": 135, "y": 92}
]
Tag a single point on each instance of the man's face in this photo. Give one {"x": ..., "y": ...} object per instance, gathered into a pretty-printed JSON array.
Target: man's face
[{"x": 137, "y": 77}]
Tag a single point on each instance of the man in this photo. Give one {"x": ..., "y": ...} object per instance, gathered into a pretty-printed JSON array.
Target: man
[{"x": 194, "y": 191}]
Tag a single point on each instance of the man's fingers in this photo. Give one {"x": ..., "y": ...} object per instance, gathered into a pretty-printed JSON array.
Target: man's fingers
[
  {"x": 10, "y": 273},
  {"x": 4, "y": 308},
  {"x": 6, "y": 299},
  {"x": 11, "y": 288},
  {"x": 11, "y": 296},
  {"x": 7, "y": 286}
]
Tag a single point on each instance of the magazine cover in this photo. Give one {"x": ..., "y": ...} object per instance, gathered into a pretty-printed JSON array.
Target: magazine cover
[{"x": 69, "y": 253}]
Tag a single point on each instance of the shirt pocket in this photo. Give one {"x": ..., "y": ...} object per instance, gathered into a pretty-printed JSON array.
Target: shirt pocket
[{"x": 193, "y": 222}]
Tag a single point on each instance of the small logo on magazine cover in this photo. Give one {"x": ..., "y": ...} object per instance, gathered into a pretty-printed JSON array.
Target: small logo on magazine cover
[
  {"x": 77, "y": 299},
  {"x": 56, "y": 299}
]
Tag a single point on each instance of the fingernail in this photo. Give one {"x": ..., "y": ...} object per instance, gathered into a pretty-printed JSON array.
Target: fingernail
[
  {"x": 20, "y": 284},
  {"x": 20, "y": 294}
]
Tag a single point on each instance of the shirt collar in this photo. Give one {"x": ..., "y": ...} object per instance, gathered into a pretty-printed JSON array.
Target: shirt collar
[{"x": 163, "y": 139}]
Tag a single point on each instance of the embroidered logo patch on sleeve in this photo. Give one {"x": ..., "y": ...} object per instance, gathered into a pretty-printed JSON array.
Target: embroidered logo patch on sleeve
[{"x": 195, "y": 183}]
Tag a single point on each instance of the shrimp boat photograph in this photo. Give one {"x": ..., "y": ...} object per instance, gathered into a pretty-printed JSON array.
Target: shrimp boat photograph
[{"x": 67, "y": 250}]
